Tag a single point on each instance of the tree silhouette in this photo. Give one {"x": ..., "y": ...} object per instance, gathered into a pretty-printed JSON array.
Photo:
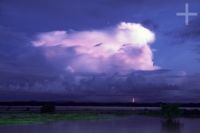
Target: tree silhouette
[
  {"x": 170, "y": 111},
  {"x": 48, "y": 108}
]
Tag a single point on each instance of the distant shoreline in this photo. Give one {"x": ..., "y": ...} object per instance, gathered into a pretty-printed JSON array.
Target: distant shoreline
[{"x": 101, "y": 104}]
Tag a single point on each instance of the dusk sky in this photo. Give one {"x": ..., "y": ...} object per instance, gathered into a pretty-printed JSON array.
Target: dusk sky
[{"x": 99, "y": 50}]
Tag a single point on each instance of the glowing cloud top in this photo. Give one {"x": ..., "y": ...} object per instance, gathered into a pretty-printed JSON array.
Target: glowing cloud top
[{"x": 123, "y": 48}]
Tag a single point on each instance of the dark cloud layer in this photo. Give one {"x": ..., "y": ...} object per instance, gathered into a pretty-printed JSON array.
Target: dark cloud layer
[{"x": 144, "y": 86}]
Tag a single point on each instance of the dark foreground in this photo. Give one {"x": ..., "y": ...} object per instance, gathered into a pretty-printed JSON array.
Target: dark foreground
[
  {"x": 24, "y": 113},
  {"x": 29, "y": 117},
  {"x": 49, "y": 118}
]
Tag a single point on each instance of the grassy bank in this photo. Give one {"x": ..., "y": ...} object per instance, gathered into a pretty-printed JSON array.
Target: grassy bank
[
  {"x": 28, "y": 118},
  {"x": 19, "y": 118}
]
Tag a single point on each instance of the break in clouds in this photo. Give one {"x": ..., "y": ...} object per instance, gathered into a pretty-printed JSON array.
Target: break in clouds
[{"x": 123, "y": 48}]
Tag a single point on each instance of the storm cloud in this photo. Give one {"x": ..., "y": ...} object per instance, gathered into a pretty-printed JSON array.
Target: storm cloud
[{"x": 123, "y": 48}]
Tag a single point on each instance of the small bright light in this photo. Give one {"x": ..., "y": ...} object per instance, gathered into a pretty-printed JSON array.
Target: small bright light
[{"x": 133, "y": 100}]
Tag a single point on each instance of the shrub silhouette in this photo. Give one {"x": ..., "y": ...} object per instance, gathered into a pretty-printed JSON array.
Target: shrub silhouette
[
  {"x": 48, "y": 108},
  {"x": 170, "y": 111}
]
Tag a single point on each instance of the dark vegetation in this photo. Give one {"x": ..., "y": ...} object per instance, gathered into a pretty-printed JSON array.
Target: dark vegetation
[
  {"x": 108, "y": 104},
  {"x": 170, "y": 112},
  {"x": 48, "y": 108}
]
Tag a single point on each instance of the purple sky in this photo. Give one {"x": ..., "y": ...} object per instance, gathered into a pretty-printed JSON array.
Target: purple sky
[{"x": 99, "y": 50}]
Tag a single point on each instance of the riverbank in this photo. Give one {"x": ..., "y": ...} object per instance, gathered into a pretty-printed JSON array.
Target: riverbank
[
  {"x": 36, "y": 118},
  {"x": 24, "y": 118},
  {"x": 27, "y": 117}
]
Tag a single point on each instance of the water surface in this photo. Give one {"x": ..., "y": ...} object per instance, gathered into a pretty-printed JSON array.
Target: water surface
[{"x": 130, "y": 124}]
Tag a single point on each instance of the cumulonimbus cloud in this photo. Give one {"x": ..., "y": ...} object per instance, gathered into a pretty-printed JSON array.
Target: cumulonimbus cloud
[{"x": 122, "y": 48}]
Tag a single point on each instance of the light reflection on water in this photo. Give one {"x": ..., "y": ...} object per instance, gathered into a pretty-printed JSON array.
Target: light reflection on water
[
  {"x": 172, "y": 126},
  {"x": 131, "y": 124}
]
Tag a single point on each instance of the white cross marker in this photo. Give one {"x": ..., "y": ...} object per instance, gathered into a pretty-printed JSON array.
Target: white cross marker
[{"x": 186, "y": 14}]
